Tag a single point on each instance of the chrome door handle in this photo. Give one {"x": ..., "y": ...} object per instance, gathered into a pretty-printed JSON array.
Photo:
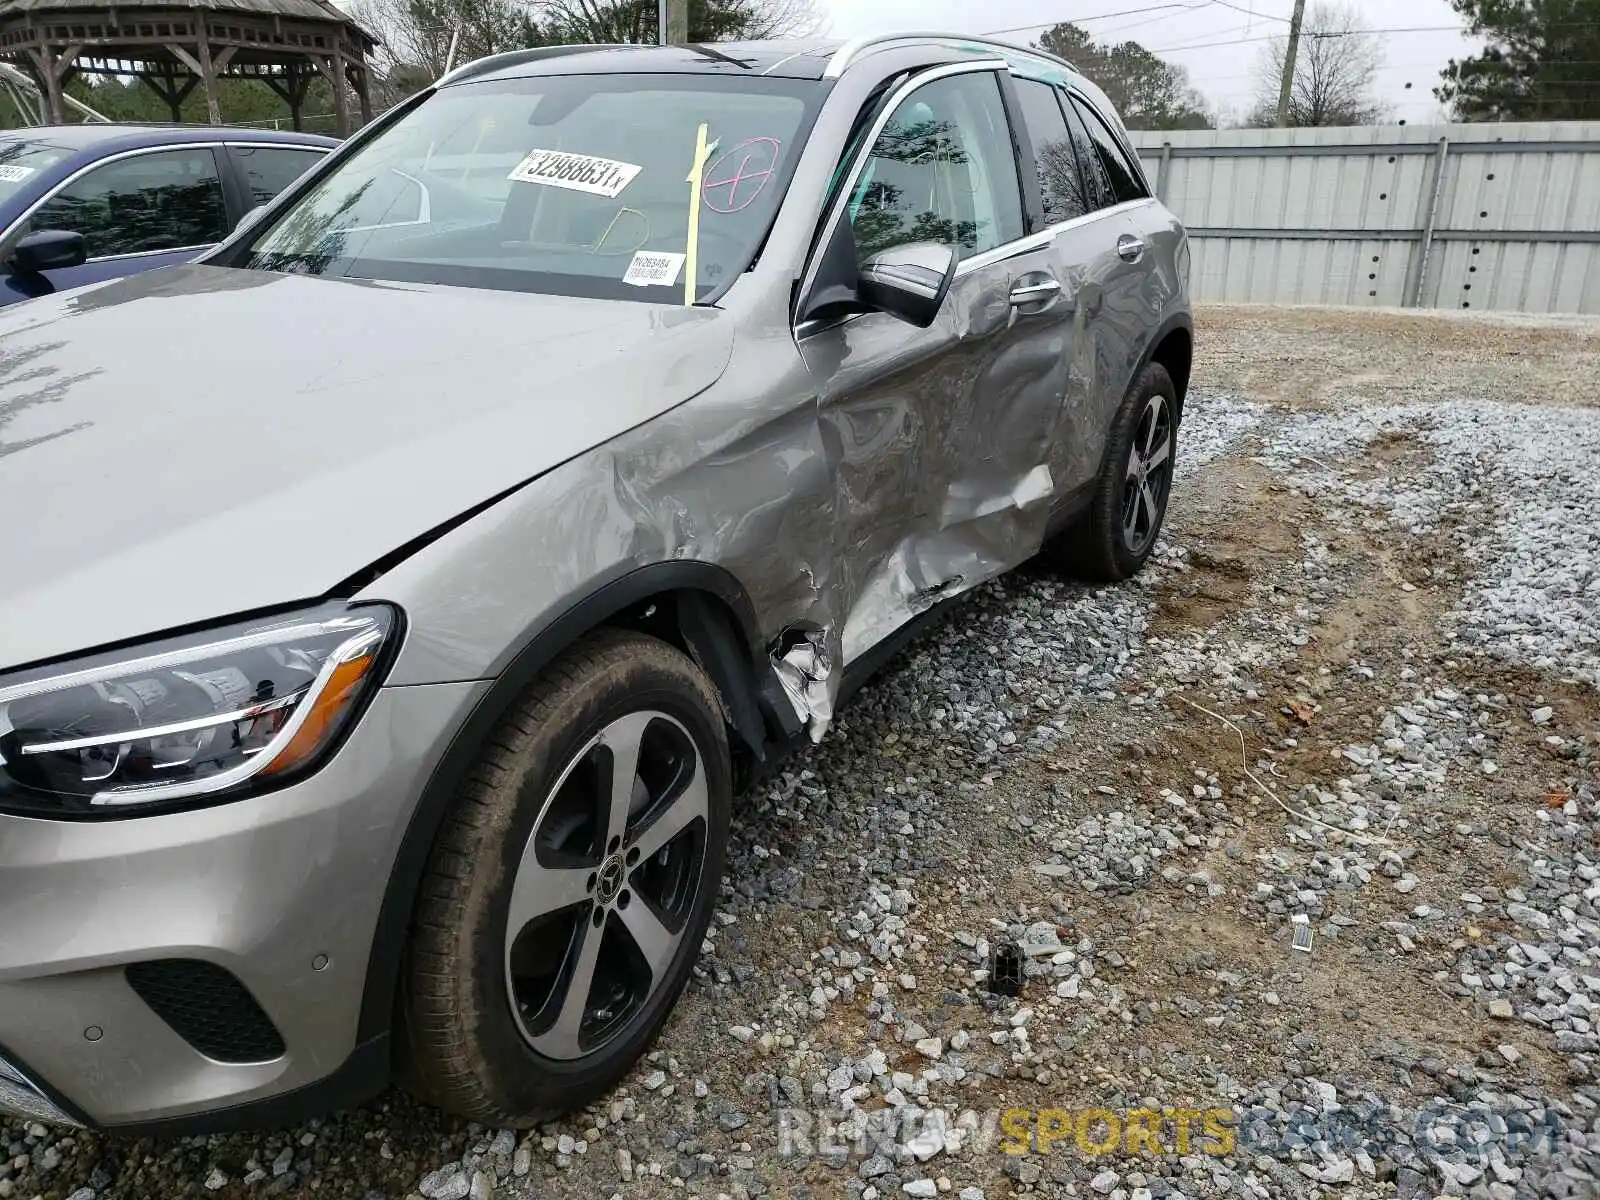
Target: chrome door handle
[
  {"x": 1130, "y": 248},
  {"x": 1033, "y": 293}
]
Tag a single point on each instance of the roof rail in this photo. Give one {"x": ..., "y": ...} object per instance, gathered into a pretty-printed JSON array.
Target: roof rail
[
  {"x": 511, "y": 58},
  {"x": 856, "y": 47}
]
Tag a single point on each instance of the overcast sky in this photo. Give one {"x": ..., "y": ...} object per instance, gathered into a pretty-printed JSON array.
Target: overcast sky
[{"x": 1217, "y": 40}]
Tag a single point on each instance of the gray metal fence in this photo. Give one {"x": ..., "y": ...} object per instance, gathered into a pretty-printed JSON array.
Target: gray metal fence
[{"x": 1448, "y": 216}]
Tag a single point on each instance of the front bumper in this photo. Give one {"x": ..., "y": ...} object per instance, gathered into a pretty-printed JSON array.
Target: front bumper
[{"x": 280, "y": 891}]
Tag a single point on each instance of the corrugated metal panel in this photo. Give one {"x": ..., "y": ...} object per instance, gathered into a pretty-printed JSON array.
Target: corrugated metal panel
[{"x": 1338, "y": 216}]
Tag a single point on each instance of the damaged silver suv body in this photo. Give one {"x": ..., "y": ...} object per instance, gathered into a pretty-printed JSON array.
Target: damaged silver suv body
[{"x": 376, "y": 706}]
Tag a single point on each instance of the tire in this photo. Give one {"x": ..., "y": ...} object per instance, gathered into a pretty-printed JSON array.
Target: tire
[
  {"x": 1102, "y": 545},
  {"x": 489, "y": 1030}
]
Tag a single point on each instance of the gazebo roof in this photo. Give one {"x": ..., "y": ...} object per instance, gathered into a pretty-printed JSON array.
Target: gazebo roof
[
  {"x": 176, "y": 45},
  {"x": 313, "y": 10},
  {"x": 299, "y": 10}
]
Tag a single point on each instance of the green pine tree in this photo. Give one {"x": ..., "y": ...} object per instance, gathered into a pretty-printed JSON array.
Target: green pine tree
[{"x": 1541, "y": 63}]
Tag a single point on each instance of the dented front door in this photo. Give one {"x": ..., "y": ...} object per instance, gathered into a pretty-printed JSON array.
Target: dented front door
[{"x": 940, "y": 436}]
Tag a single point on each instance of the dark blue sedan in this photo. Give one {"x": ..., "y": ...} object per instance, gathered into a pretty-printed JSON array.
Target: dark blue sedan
[{"x": 83, "y": 203}]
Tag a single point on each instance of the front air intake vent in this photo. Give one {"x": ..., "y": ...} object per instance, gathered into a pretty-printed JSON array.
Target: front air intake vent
[{"x": 208, "y": 1008}]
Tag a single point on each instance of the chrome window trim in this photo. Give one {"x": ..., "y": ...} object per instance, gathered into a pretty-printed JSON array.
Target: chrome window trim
[
  {"x": 1045, "y": 236},
  {"x": 856, "y": 46},
  {"x": 309, "y": 149},
  {"x": 148, "y": 253},
  {"x": 899, "y": 97},
  {"x": 1024, "y": 245},
  {"x": 136, "y": 152}
]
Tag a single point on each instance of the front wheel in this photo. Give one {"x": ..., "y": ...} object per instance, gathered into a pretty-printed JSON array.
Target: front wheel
[
  {"x": 567, "y": 894},
  {"x": 1115, "y": 537}
]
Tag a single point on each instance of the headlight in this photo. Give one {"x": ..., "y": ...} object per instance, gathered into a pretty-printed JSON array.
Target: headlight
[{"x": 206, "y": 717}]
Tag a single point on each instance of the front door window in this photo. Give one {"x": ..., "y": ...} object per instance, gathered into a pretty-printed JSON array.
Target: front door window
[
  {"x": 941, "y": 171},
  {"x": 160, "y": 200}
]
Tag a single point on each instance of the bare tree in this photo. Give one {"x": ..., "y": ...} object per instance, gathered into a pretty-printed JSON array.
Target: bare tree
[
  {"x": 416, "y": 34},
  {"x": 1334, "y": 72},
  {"x": 636, "y": 21}
]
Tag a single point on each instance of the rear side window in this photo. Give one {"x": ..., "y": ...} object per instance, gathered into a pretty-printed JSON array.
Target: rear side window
[
  {"x": 1059, "y": 181},
  {"x": 1097, "y": 192},
  {"x": 270, "y": 169},
  {"x": 1125, "y": 184}
]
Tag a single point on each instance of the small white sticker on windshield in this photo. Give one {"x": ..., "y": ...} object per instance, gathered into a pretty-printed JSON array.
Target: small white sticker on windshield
[
  {"x": 654, "y": 268},
  {"x": 577, "y": 172},
  {"x": 10, "y": 173}
]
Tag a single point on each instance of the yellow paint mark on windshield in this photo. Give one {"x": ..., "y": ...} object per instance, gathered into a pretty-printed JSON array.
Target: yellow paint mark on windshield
[{"x": 697, "y": 172}]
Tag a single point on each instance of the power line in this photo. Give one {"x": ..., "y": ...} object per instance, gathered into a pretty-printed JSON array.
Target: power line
[
  {"x": 1250, "y": 12},
  {"x": 1127, "y": 12},
  {"x": 1424, "y": 65},
  {"x": 1308, "y": 34},
  {"x": 1116, "y": 29}
]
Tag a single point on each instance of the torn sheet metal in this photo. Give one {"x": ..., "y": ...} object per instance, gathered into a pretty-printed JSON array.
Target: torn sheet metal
[
  {"x": 984, "y": 529},
  {"x": 806, "y": 673}
]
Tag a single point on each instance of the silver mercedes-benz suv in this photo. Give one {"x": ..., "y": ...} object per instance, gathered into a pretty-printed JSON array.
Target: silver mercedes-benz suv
[{"x": 397, "y": 600}]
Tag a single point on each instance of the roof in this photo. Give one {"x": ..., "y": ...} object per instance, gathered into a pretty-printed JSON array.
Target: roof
[
  {"x": 113, "y": 137},
  {"x": 799, "y": 59},
  {"x": 809, "y": 58}
]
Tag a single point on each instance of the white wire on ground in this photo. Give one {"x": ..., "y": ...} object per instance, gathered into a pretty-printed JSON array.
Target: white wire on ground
[{"x": 1370, "y": 839}]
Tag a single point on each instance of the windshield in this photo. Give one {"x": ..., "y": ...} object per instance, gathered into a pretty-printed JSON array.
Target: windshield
[
  {"x": 573, "y": 184},
  {"x": 22, "y": 160}
]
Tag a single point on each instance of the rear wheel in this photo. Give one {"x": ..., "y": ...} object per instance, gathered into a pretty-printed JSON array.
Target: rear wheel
[
  {"x": 568, "y": 892},
  {"x": 1115, "y": 537}
]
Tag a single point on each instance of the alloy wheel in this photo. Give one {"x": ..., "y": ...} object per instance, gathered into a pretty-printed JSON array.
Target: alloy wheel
[
  {"x": 1148, "y": 477},
  {"x": 606, "y": 884}
]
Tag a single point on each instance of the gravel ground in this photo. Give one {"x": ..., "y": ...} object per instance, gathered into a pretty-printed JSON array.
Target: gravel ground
[{"x": 1356, "y": 697}]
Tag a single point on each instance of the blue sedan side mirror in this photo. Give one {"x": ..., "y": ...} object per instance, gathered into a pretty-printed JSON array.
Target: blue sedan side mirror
[{"x": 49, "y": 250}]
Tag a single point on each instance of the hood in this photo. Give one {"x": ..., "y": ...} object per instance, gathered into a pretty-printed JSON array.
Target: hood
[{"x": 188, "y": 444}]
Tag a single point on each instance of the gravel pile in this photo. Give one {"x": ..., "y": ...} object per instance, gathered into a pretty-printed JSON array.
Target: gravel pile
[{"x": 1029, "y": 775}]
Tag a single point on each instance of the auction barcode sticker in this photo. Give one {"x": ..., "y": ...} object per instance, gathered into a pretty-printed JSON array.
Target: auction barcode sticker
[
  {"x": 654, "y": 268},
  {"x": 576, "y": 172},
  {"x": 10, "y": 173}
]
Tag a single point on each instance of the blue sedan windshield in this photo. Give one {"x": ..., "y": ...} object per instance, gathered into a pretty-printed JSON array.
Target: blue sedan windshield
[{"x": 21, "y": 159}]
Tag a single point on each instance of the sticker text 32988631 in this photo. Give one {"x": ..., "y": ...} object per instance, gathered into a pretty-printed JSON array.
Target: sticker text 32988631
[{"x": 576, "y": 172}]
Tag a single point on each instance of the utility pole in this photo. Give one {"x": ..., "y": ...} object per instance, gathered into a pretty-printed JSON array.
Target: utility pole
[
  {"x": 674, "y": 22},
  {"x": 1286, "y": 85}
]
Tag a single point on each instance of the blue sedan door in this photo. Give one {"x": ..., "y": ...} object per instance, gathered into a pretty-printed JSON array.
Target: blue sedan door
[{"x": 137, "y": 211}]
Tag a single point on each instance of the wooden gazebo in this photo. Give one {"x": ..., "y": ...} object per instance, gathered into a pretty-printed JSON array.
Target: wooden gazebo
[{"x": 175, "y": 47}]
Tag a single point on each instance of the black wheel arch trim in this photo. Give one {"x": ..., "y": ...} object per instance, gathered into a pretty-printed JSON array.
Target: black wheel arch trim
[
  {"x": 1183, "y": 321},
  {"x": 716, "y": 620},
  {"x": 1180, "y": 321}
]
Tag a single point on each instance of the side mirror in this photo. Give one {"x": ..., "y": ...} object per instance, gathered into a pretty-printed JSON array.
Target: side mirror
[
  {"x": 909, "y": 282},
  {"x": 48, "y": 250}
]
